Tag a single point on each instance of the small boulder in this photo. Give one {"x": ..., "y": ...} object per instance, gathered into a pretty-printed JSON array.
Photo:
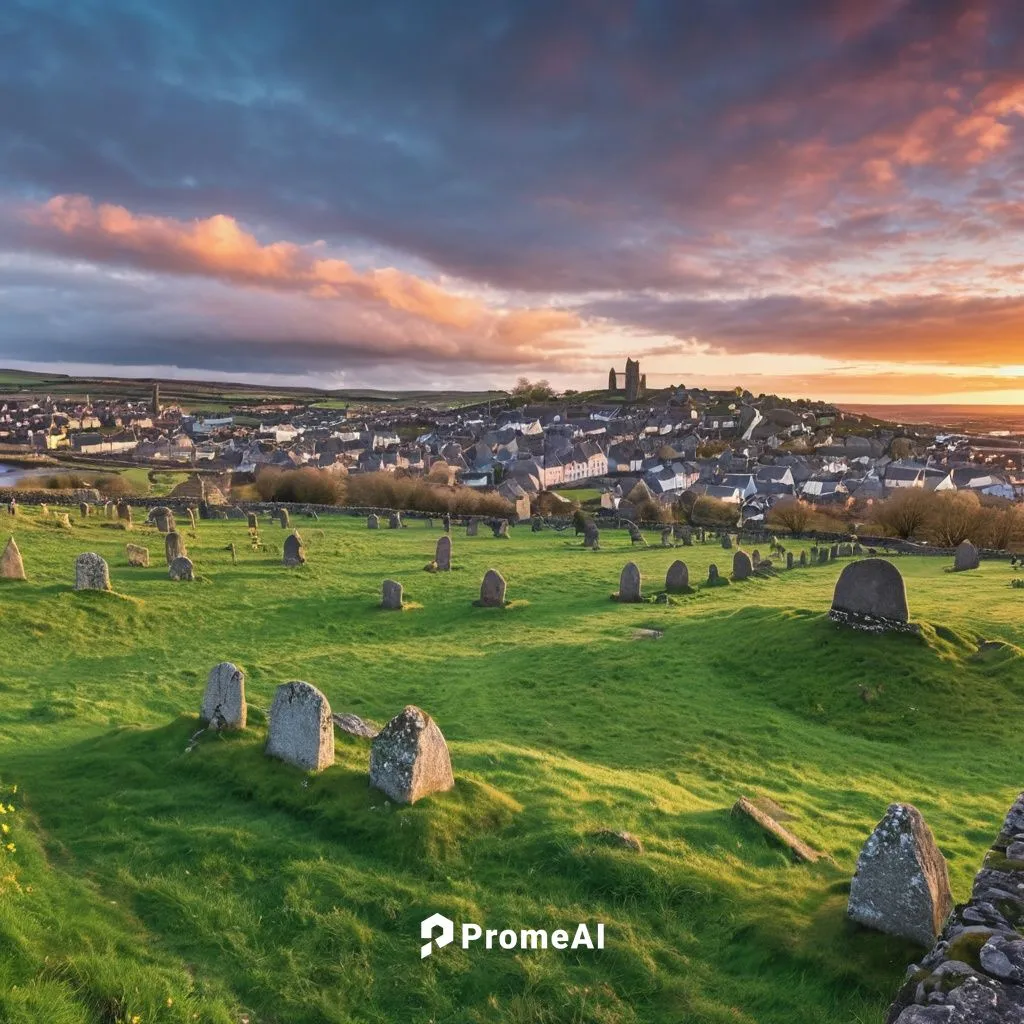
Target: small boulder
[
  {"x": 294, "y": 552},
  {"x": 967, "y": 557},
  {"x": 742, "y": 567},
  {"x": 11, "y": 565},
  {"x": 182, "y": 570},
  {"x": 138, "y": 556},
  {"x": 492, "y": 590},
  {"x": 91, "y": 572},
  {"x": 409, "y": 758}
]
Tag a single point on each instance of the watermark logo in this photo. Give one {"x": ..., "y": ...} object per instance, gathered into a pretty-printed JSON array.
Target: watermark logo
[{"x": 439, "y": 931}]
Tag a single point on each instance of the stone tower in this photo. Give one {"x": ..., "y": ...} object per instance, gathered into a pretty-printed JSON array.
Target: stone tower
[
  {"x": 632, "y": 380},
  {"x": 156, "y": 400},
  {"x": 613, "y": 380}
]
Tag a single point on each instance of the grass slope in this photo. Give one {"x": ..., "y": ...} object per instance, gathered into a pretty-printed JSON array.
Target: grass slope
[{"x": 152, "y": 884}]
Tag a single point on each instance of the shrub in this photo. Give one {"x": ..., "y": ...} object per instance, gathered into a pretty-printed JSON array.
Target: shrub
[
  {"x": 306, "y": 485},
  {"x": 113, "y": 486},
  {"x": 713, "y": 512},
  {"x": 790, "y": 514},
  {"x": 389, "y": 490}
]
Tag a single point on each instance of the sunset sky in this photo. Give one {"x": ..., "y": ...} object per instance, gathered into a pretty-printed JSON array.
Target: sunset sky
[{"x": 819, "y": 198}]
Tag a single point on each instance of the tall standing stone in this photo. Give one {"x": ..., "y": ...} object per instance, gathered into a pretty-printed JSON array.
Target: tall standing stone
[
  {"x": 284, "y": 518},
  {"x": 174, "y": 546},
  {"x": 713, "y": 576},
  {"x": 901, "y": 885},
  {"x": 395, "y": 521},
  {"x": 301, "y": 730},
  {"x": 500, "y": 528},
  {"x": 591, "y": 536},
  {"x": 492, "y": 590},
  {"x": 726, "y": 542},
  {"x": 252, "y": 520},
  {"x": 803, "y": 559},
  {"x": 789, "y": 559},
  {"x": 967, "y": 557},
  {"x": 91, "y": 572},
  {"x": 446, "y": 522},
  {"x": 742, "y": 567},
  {"x": 83, "y": 509},
  {"x": 391, "y": 596},
  {"x": 677, "y": 579},
  {"x": 409, "y": 758},
  {"x": 163, "y": 517},
  {"x": 629, "y": 584},
  {"x": 124, "y": 512},
  {"x": 443, "y": 553},
  {"x": 11, "y": 565},
  {"x": 294, "y": 552},
  {"x": 109, "y": 509},
  {"x": 472, "y": 527},
  {"x": 12, "y": 507},
  {"x": 871, "y": 595},
  {"x": 755, "y": 558},
  {"x": 372, "y": 522},
  {"x": 224, "y": 697}
]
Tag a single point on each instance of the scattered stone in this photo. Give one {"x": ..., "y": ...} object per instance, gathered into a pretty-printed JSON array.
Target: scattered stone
[
  {"x": 301, "y": 730},
  {"x": 181, "y": 570},
  {"x": 677, "y": 579},
  {"x": 901, "y": 885},
  {"x": 967, "y": 557},
  {"x": 234, "y": 553},
  {"x": 137, "y": 556},
  {"x": 409, "y": 758},
  {"x": 871, "y": 595},
  {"x": 772, "y": 809},
  {"x": 91, "y": 572},
  {"x": 174, "y": 546},
  {"x": 354, "y": 725},
  {"x": 11, "y": 565},
  {"x": 224, "y": 698},
  {"x": 391, "y": 595},
  {"x": 443, "y": 553},
  {"x": 372, "y": 522},
  {"x": 629, "y": 584},
  {"x": 648, "y": 634},
  {"x": 623, "y": 840},
  {"x": 742, "y": 567},
  {"x": 492, "y": 590},
  {"x": 294, "y": 552},
  {"x": 799, "y": 849}
]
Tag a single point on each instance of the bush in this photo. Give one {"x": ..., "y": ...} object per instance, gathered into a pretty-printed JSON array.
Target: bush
[
  {"x": 389, "y": 490},
  {"x": 790, "y": 514},
  {"x": 713, "y": 512},
  {"x": 650, "y": 511},
  {"x": 307, "y": 485},
  {"x": 114, "y": 486},
  {"x": 905, "y": 514}
]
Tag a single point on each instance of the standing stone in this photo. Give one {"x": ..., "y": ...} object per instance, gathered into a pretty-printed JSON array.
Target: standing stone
[
  {"x": 137, "y": 556},
  {"x": 858, "y": 549},
  {"x": 446, "y": 522},
  {"x": 11, "y": 565},
  {"x": 182, "y": 570},
  {"x": 443, "y": 553},
  {"x": 635, "y": 536},
  {"x": 591, "y": 536},
  {"x": 391, "y": 595},
  {"x": 372, "y": 522},
  {"x": 174, "y": 546},
  {"x": 789, "y": 559},
  {"x": 409, "y": 758},
  {"x": 666, "y": 537},
  {"x": 252, "y": 520},
  {"x": 629, "y": 584},
  {"x": 12, "y": 507},
  {"x": 91, "y": 572},
  {"x": 294, "y": 552},
  {"x": 224, "y": 697},
  {"x": 124, "y": 511},
  {"x": 677, "y": 579},
  {"x": 845, "y": 550},
  {"x": 83, "y": 509},
  {"x": 967, "y": 557},
  {"x": 742, "y": 567},
  {"x": 500, "y": 528},
  {"x": 108, "y": 509},
  {"x": 234, "y": 553},
  {"x": 823, "y": 556},
  {"x": 901, "y": 885},
  {"x": 395, "y": 522},
  {"x": 492, "y": 590},
  {"x": 833, "y": 552},
  {"x": 685, "y": 534},
  {"x": 471, "y": 528},
  {"x": 301, "y": 730},
  {"x": 755, "y": 558},
  {"x": 712, "y": 574},
  {"x": 191, "y": 518},
  {"x": 429, "y": 522},
  {"x": 726, "y": 542},
  {"x": 163, "y": 517},
  {"x": 871, "y": 595},
  {"x": 284, "y": 518},
  {"x": 536, "y": 524}
]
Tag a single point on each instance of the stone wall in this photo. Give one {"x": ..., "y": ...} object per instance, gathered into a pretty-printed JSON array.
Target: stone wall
[
  {"x": 975, "y": 972},
  {"x": 44, "y": 497}
]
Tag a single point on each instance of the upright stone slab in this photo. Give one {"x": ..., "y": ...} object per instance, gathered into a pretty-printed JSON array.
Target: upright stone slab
[
  {"x": 472, "y": 527},
  {"x": 446, "y": 522},
  {"x": 967, "y": 557},
  {"x": 12, "y": 507},
  {"x": 443, "y": 553},
  {"x": 666, "y": 537},
  {"x": 284, "y": 518},
  {"x": 11, "y": 565},
  {"x": 742, "y": 567},
  {"x": 109, "y": 510},
  {"x": 391, "y": 596},
  {"x": 845, "y": 550},
  {"x": 252, "y": 520},
  {"x": 492, "y": 590},
  {"x": 224, "y": 697},
  {"x": 789, "y": 559},
  {"x": 727, "y": 542},
  {"x": 755, "y": 558},
  {"x": 803, "y": 559},
  {"x": 901, "y": 885},
  {"x": 591, "y": 536},
  {"x": 536, "y": 524},
  {"x": 372, "y": 522},
  {"x": 174, "y": 546},
  {"x": 833, "y": 552},
  {"x": 181, "y": 570},
  {"x": 500, "y": 528},
  {"x": 713, "y": 576},
  {"x": 163, "y": 518},
  {"x": 83, "y": 509},
  {"x": 629, "y": 584},
  {"x": 409, "y": 758},
  {"x": 871, "y": 595},
  {"x": 395, "y": 521},
  {"x": 91, "y": 572},
  {"x": 137, "y": 556},
  {"x": 124, "y": 511},
  {"x": 823, "y": 556},
  {"x": 191, "y": 518},
  {"x": 677, "y": 579},
  {"x": 294, "y": 552},
  {"x": 301, "y": 730}
]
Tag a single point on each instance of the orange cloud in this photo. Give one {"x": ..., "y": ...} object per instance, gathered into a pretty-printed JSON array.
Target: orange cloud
[{"x": 218, "y": 247}]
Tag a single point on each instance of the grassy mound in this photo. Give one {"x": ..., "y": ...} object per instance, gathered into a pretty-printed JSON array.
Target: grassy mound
[{"x": 157, "y": 878}]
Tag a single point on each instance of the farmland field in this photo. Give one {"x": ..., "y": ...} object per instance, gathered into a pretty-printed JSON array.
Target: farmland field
[{"x": 155, "y": 879}]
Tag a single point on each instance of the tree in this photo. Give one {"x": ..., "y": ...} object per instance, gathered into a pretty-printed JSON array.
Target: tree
[
  {"x": 713, "y": 512},
  {"x": 954, "y": 518},
  {"x": 790, "y": 514},
  {"x": 905, "y": 514},
  {"x": 533, "y": 391}
]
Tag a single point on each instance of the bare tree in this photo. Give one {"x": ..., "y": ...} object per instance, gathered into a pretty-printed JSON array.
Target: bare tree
[{"x": 791, "y": 514}]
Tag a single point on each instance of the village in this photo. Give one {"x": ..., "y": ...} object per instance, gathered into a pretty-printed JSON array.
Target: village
[{"x": 611, "y": 448}]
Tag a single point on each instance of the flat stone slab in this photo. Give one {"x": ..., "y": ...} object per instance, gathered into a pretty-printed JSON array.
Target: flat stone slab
[
  {"x": 800, "y": 850},
  {"x": 354, "y": 725}
]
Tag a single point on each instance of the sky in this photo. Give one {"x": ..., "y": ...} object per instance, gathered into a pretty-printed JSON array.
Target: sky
[{"x": 813, "y": 198}]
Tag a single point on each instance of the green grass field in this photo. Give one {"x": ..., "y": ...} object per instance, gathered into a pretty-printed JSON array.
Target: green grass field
[{"x": 152, "y": 884}]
